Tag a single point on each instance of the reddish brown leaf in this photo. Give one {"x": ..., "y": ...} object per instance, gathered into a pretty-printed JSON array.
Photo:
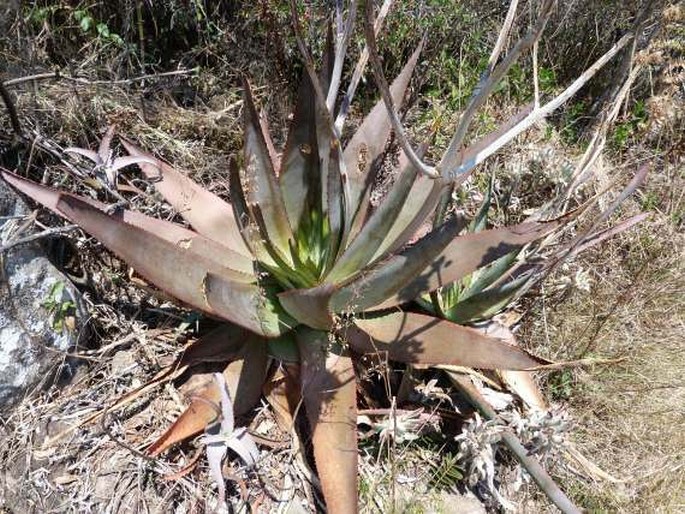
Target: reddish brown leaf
[
  {"x": 171, "y": 232},
  {"x": 283, "y": 392},
  {"x": 244, "y": 378},
  {"x": 329, "y": 394},
  {"x": 420, "y": 339},
  {"x": 178, "y": 271},
  {"x": 207, "y": 213},
  {"x": 259, "y": 183},
  {"x": 522, "y": 383},
  {"x": 369, "y": 140}
]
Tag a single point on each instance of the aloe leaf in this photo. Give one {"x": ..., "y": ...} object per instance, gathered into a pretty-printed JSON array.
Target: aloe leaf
[
  {"x": 425, "y": 340},
  {"x": 597, "y": 237},
  {"x": 368, "y": 143},
  {"x": 436, "y": 260},
  {"x": 104, "y": 150},
  {"x": 207, "y": 213},
  {"x": 284, "y": 348},
  {"x": 300, "y": 176},
  {"x": 368, "y": 290},
  {"x": 266, "y": 134},
  {"x": 240, "y": 268},
  {"x": 329, "y": 395},
  {"x": 336, "y": 205},
  {"x": 283, "y": 392},
  {"x": 420, "y": 204},
  {"x": 182, "y": 273},
  {"x": 480, "y": 220},
  {"x": 522, "y": 383},
  {"x": 485, "y": 277},
  {"x": 486, "y": 304},
  {"x": 84, "y": 152},
  {"x": 252, "y": 227},
  {"x": 309, "y": 306},
  {"x": 259, "y": 182},
  {"x": 360, "y": 251},
  {"x": 244, "y": 378},
  {"x": 256, "y": 307},
  {"x": 247, "y": 225}
]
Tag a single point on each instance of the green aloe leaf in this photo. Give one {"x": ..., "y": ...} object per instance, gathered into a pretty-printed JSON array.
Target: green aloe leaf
[
  {"x": 259, "y": 183},
  {"x": 486, "y": 304},
  {"x": 361, "y": 250},
  {"x": 208, "y": 214},
  {"x": 420, "y": 204},
  {"x": 329, "y": 395},
  {"x": 425, "y": 340},
  {"x": 437, "y": 260}
]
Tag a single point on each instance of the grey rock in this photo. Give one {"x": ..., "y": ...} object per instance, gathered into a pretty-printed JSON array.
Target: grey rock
[{"x": 32, "y": 291}]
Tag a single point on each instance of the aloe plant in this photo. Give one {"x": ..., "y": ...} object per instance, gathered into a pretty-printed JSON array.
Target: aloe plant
[{"x": 305, "y": 273}]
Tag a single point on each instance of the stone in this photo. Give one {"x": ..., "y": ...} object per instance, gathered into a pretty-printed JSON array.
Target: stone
[{"x": 41, "y": 312}]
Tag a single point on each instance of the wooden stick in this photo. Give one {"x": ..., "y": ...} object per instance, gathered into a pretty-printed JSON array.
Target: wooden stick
[{"x": 80, "y": 80}]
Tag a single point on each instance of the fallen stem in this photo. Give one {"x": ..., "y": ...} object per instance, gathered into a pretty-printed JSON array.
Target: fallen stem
[
  {"x": 40, "y": 235},
  {"x": 81, "y": 80}
]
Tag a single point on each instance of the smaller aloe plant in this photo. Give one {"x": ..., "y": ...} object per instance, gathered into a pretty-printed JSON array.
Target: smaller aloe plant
[
  {"x": 305, "y": 275},
  {"x": 106, "y": 166}
]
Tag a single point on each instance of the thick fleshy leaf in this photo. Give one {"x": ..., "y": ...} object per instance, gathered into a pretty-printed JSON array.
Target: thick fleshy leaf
[
  {"x": 485, "y": 277},
  {"x": 242, "y": 267},
  {"x": 309, "y": 306},
  {"x": 247, "y": 225},
  {"x": 520, "y": 382},
  {"x": 284, "y": 349},
  {"x": 177, "y": 270},
  {"x": 336, "y": 200},
  {"x": 244, "y": 377},
  {"x": 420, "y": 204},
  {"x": 260, "y": 185},
  {"x": 301, "y": 175},
  {"x": 486, "y": 304},
  {"x": 437, "y": 260},
  {"x": 266, "y": 134},
  {"x": 207, "y": 213},
  {"x": 283, "y": 392},
  {"x": 425, "y": 340},
  {"x": 360, "y": 251},
  {"x": 368, "y": 142},
  {"x": 105, "y": 148},
  {"x": 257, "y": 307},
  {"x": 329, "y": 394}
]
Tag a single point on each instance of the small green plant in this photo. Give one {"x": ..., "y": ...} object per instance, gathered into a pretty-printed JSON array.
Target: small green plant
[
  {"x": 560, "y": 384},
  {"x": 61, "y": 307},
  {"x": 626, "y": 130},
  {"x": 89, "y": 25}
]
